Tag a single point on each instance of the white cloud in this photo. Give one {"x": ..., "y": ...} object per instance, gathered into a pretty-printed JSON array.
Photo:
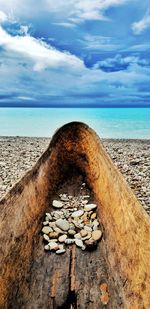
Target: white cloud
[
  {"x": 42, "y": 55},
  {"x": 74, "y": 11},
  {"x": 3, "y": 17},
  {"x": 97, "y": 42},
  {"x": 143, "y": 24}
]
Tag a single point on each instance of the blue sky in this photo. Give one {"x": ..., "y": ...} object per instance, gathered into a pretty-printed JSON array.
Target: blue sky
[{"x": 74, "y": 53}]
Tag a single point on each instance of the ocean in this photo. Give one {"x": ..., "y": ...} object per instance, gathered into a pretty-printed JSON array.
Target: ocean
[{"x": 129, "y": 123}]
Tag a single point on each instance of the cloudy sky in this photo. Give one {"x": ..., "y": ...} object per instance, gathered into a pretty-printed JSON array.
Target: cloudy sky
[{"x": 74, "y": 53}]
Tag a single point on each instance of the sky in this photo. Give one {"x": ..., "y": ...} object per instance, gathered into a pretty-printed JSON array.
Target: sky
[{"x": 82, "y": 53}]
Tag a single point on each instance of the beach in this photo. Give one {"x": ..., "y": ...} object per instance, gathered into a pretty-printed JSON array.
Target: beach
[{"x": 19, "y": 154}]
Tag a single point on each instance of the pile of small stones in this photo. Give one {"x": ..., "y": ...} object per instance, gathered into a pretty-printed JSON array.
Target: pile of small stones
[{"x": 73, "y": 222}]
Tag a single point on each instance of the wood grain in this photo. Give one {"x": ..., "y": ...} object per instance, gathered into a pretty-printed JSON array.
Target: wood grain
[{"x": 31, "y": 278}]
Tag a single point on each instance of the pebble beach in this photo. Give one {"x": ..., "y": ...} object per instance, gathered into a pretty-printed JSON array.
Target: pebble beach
[{"x": 132, "y": 157}]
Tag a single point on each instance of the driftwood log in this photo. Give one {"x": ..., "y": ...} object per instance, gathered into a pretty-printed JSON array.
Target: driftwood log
[{"x": 32, "y": 278}]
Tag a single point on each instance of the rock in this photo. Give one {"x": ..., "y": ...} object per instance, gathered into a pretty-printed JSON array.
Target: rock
[
  {"x": 53, "y": 235},
  {"x": 88, "y": 236},
  {"x": 46, "y": 237},
  {"x": 69, "y": 241},
  {"x": 90, "y": 242},
  {"x": 96, "y": 235},
  {"x": 46, "y": 229},
  {"x": 87, "y": 228},
  {"x": 53, "y": 239},
  {"x": 84, "y": 202},
  {"x": 93, "y": 216},
  {"x": 58, "y": 230},
  {"x": 60, "y": 251},
  {"x": 48, "y": 216},
  {"x": 90, "y": 207},
  {"x": 53, "y": 246},
  {"x": 78, "y": 236},
  {"x": 71, "y": 232},
  {"x": 77, "y": 214},
  {"x": 45, "y": 223},
  {"x": 62, "y": 238},
  {"x": 83, "y": 247},
  {"x": 57, "y": 204},
  {"x": 83, "y": 233},
  {"x": 79, "y": 243},
  {"x": 62, "y": 224},
  {"x": 52, "y": 224},
  {"x": 47, "y": 247},
  {"x": 61, "y": 247},
  {"x": 64, "y": 198}
]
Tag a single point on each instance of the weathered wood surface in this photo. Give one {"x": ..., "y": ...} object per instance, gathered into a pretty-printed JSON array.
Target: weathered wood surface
[{"x": 31, "y": 278}]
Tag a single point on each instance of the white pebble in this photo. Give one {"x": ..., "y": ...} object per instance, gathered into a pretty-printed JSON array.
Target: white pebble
[
  {"x": 57, "y": 204},
  {"x": 46, "y": 229},
  {"x": 79, "y": 243},
  {"x": 60, "y": 251}
]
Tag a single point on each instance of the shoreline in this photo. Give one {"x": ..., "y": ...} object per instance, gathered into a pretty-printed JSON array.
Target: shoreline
[{"x": 18, "y": 155}]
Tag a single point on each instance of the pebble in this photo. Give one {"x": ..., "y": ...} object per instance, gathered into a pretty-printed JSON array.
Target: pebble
[
  {"x": 78, "y": 236},
  {"x": 53, "y": 235},
  {"x": 62, "y": 224},
  {"x": 93, "y": 216},
  {"x": 62, "y": 238},
  {"x": 46, "y": 237},
  {"x": 90, "y": 207},
  {"x": 96, "y": 235},
  {"x": 53, "y": 246},
  {"x": 57, "y": 204},
  {"x": 46, "y": 247},
  {"x": 71, "y": 232},
  {"x": 83, "y": 233},
  {"x": 60, "y": 251},
  {"x": 79, "y": 243},
  {"x": 46, "y": 229},
  {"x": 69, "y": 241},
  {"x": 77, "y": 213},
  {"x": 90, "y": 242}
]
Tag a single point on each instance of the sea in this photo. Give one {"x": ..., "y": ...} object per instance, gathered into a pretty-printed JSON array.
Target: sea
[{"x": 117, "y": 123}]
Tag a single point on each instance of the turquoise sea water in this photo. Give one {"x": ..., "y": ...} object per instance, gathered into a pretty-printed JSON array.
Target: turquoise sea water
[{"x": 108, "y": 122}]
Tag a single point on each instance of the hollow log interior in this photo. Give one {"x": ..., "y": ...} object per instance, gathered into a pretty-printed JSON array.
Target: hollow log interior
[{"x": 33, "y": 278}]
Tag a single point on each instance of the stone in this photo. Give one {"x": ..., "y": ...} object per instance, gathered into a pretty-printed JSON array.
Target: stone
[
  {"x": 45, "y": 223},
  {"x": 47, "y": 247},
  {"x": 62, "y": 224},
  {"x": 88, "y": 228},
  {"x": 64, "y": 198},
  {"x": 53, "y": 239},
  {"x": 48, "y": 216},
  {"x": 90, "y": 242},
  {"x": 46, "y": 229},
  {"x": 96, "y": 235},
  {"x": 90, "y": 207},
  {"x": 58, "y": 230},
  {"x": 93, "y": 216},
  {"x": 77, "y": 214},
  {"x": 83, "y": 233},
  {"x": 52, "y": 224},
  {"x": 57, "y": 204},
  {"x": 79, "y": 243},
  {"x": 71, "y": 232},
  {"x": 53, "y": 235},
  {"x": 46, "y": 237},
  {"x": 62, "y": 238},
  {"x": 69, "y": 241},
  {"x": 60, "y": 251},
  {"x": 53, "y": 246},
  {"x": 61, "y": 247},
  {"x": 78, "y": 236}
]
